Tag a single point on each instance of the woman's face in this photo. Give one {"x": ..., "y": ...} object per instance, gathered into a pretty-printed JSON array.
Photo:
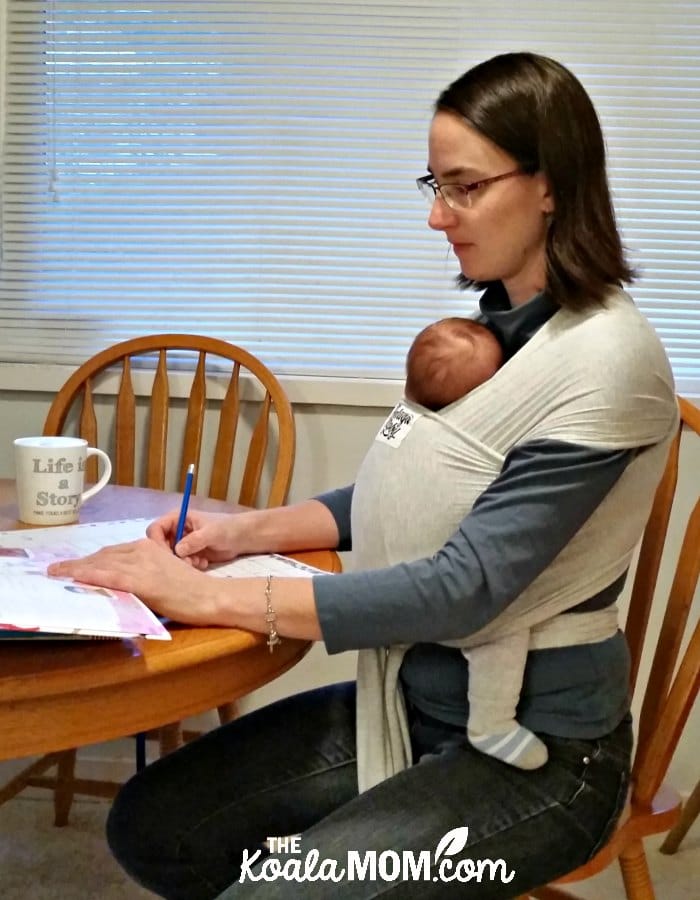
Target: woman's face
[{"x": 502, "y": 236}]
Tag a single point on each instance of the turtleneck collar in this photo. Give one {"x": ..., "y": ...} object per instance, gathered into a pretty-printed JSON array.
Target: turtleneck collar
[{"x": 514, "y": 325}]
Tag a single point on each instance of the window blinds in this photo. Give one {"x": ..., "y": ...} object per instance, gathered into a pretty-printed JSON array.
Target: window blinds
[{"x": 246, "y": 169}]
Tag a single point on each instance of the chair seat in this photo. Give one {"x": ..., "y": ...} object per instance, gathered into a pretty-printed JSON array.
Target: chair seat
[{"x": 635, "y": 823}]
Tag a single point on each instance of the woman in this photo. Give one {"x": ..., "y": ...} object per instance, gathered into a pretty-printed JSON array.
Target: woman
[{"x": 529, "y": 494}]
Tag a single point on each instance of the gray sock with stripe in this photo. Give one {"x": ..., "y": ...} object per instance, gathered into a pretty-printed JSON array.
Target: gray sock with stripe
[{"x": 518, "y": 747}]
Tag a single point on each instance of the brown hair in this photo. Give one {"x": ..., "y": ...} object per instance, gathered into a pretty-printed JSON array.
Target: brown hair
[
  {"x": 448, "y": 359},
  {"x": 538, "y": 112}
]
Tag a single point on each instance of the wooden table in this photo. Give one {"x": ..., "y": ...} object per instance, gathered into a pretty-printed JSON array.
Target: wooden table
[{"x": 64, "y": 694}]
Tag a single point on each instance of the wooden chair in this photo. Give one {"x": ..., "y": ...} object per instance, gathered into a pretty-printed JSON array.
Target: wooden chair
[
  {"x": 654, "y": 806},
  {"x": 218, "y": 379}
]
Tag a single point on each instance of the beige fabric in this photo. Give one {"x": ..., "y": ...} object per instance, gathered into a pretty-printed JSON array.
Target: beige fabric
[{"x": 598, "y": 378}]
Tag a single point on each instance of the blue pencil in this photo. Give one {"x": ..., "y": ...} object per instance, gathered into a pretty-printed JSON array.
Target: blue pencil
[{"x": 185, "y": 503}]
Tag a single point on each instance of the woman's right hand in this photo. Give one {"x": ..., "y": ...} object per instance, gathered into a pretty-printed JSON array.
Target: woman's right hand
[
  {"x": 221, "y": 537},
  {"x": 208, "y": 537}
]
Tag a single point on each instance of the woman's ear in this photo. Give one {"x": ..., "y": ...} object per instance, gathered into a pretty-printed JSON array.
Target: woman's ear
[{"x": 547, "y": 195}]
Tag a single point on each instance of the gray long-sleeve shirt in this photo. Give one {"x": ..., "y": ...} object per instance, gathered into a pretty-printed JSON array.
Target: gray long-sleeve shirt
[{"x": 545, "y": 492}]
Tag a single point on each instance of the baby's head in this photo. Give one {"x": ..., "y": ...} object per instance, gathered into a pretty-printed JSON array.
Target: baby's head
[{"x": 448, "y": 359}]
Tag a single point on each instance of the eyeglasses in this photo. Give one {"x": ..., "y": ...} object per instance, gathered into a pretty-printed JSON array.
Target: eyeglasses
[{"x": 457, "y": 196}]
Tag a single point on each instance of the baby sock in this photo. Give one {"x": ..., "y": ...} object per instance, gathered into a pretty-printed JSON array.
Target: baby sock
[{"x": 518, "y": 746}]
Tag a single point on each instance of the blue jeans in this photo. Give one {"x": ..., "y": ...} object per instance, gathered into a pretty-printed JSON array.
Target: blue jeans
[{"x": 181, "y": 826}]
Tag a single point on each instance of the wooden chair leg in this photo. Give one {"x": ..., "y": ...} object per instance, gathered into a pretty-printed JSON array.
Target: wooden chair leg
[
  {"x": 689, "y": 814},
  {"x": 22, "y": 780},
  {"x": 65, "y": 787},
  {"x": 170, "y": 738},
  {"x": 227, "y": 712},
  {"x": 635, "y": 873}
]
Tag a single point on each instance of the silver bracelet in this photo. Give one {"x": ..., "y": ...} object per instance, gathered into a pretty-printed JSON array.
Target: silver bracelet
[{"x": 271, "y": 617}]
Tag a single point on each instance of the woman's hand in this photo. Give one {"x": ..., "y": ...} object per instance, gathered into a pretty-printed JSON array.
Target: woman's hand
[
  {"x": 173, "y": 588},
  {"x": 221, "y": 537},
  {"x": 208, "y": 537},
  {"x": 172, "y": 585},
  {"x": 165, "y": 583}
]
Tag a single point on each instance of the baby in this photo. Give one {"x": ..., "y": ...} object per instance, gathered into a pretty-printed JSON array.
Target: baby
[{"x": 447, "y": 360}]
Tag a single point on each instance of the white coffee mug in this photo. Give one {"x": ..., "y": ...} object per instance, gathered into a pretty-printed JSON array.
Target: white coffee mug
[{"x": 50, "y": 475}]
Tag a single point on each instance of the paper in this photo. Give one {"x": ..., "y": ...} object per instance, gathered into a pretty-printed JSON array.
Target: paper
[
  {"x": 32, "y": 604},
  {"x": 265, "y": 564}
]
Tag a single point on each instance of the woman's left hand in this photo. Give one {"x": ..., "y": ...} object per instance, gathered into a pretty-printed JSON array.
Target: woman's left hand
[{"x": 168, "y": 585}]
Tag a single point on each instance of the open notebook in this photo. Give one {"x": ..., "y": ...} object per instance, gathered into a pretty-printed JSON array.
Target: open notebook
[{"x": 32, "y": 605}]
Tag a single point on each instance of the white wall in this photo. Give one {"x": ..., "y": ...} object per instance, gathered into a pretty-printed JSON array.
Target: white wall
[{"x": 331, "y": 443}]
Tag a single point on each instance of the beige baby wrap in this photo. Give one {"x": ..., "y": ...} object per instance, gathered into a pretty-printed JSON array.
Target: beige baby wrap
[{"x": 597, "y": 378}]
